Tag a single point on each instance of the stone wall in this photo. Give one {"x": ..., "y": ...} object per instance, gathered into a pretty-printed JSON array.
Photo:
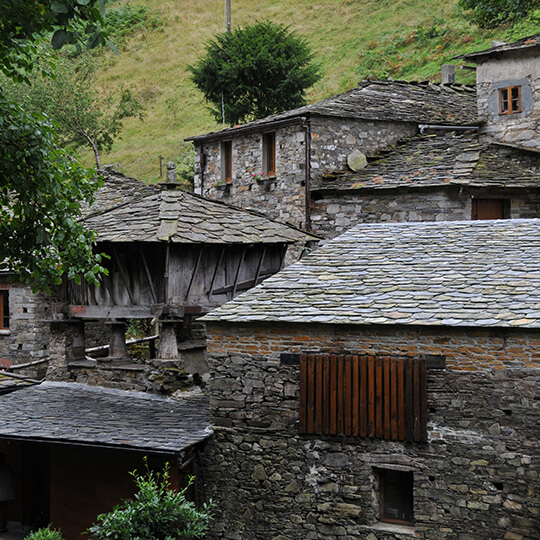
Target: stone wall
[
  {"x": 283, "y": 196},
  {"x": 332, "y": 214},
  {"x": 477, "y": 477},
  {"x": 513, "y": 68},
  {"x": 27, "y": 339}
]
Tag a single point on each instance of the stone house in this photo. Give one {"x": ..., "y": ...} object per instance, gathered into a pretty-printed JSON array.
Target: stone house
[
  {"x": 383, "y": 387},
  {"x": 271, "y": 164},
  {"x": 405, "y": 174}
]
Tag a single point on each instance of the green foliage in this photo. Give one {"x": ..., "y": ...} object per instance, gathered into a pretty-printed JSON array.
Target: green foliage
[
  {"x": 40, "y": 189},
  {"x": 127, "y": 19},
  {"x": 45, "y": 534},
  {"x": 84, "y": 118},
  {"x": 494, "y": 13},
  {"x": 185, "y": 166},
  {"x": 155, "y": 513},
  {"x": 23, "y": 24},
  {"x": 255, "y": 71}
]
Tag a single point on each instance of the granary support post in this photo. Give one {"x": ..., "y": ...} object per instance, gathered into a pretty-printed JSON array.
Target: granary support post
[
  {"x": 117, "y": 343},
  {"x": 168, "y": 346},
  {"x": 66, "y": 344}
]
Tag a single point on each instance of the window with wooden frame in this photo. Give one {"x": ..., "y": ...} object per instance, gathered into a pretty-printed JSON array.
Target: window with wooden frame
[
  {"x": 363, "y": 396},
  {"x": 269, "y": 154},
  {"x": 489, "y": 208},
  {"x": 4, "y": 310},
  {"x": 510, "y": 100},
  {"x": 226, "y": 161},
  {"x": 396, "y": 496}
]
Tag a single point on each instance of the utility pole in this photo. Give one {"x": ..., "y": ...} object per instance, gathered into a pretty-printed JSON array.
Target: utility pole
[{"x": 227, "y": 15}]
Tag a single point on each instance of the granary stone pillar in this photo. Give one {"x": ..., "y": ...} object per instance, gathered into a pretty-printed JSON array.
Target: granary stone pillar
[
  {"x": 117, "y": 343},
  {"x": 66, "y": 344},
  {"x": 168, "y": 346}
]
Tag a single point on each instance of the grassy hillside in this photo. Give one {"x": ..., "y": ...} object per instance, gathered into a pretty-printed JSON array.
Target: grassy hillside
[{"x": 351, "y": 40}]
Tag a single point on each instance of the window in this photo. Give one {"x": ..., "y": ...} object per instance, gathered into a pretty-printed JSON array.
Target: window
[
  {"x": 4, "y": 310},
  {"x": 488, "y": 209},
  {"x": 510, "y": 100},
  {"x": 396, "y": 496},
  {"x": 363, "y": 396},
  {"x": 226, "y": 161},
  {"x": 269, "y": 154}
]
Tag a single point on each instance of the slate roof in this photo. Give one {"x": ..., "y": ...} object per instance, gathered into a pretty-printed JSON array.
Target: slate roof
[
  {"x": 182, "y": 217},
  {"x": 400, "y": 101},
  {"x": 76, "y": 413},
  {"x": 428, "y": 161},
  {"x": 10, "y": 382},
  {"x": 470, "y": 273},
  {"x": 117, "y": 189},
  {"x": 523, "y": 43}
]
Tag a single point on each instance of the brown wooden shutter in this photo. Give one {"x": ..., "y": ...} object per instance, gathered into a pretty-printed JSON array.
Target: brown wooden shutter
[{"x": 363, "y": 396}]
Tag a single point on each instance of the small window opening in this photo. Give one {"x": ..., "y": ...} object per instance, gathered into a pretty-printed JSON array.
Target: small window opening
[
  {"x": 226, "y": 161},
  {"x": 269, "y": 154},
  {"x": 396, "y": 496},
  {"x": 4, "y": 310},
  {"x": 489, "y": 209},
  {"x": 510, "y": 100}
]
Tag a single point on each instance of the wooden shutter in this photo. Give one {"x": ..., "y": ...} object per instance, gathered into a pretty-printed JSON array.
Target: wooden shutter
[
  {"x": 487, "y": 208},
  {"x": 363, "y": 396}
]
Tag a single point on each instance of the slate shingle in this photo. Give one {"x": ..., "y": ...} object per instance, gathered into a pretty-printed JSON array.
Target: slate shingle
[
  {"x": 70, "y": 412},
  {"x": 470, "y": 273}
]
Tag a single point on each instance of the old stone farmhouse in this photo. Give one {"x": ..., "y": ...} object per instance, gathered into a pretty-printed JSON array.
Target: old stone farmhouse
[
  {"x": 371, "y": 153},
  {"x": 386, "y": 386}
]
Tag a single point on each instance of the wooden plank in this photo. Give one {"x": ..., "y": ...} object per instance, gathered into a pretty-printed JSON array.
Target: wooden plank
[
  {"x": 333, "y": 394},
  {"x": 194, "y": 273},
  {"x": 319, "y": 401},
  {"x": 423, "y": 400},
  {"x": 340, "y": 385},
  {"x": 214, "y": 275},
  {"x": 378, "y": 398},
  {"x": 396, "y": 405},
  {"x": 371, "y": 397},
  {"x": 363, "y": 412},
  {"x": 387, "y": 399},
  {"x": 347, "y": 395},
  {"x": 417, "y": 432},
  {"x": 355, "y": 389},
  {"x": 407, "y": 416},
  {"x": 238, "y": 270},
  {"x": 259, "y": 265},
  {"x": 303, "y": 395},
  {"x": 310, "y": 403},
  {"x": 148, "y": 275},
  {"x": 326, "y": 394}
]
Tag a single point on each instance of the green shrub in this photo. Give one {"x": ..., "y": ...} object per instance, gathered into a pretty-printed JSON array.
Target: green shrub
[
  {"x": 45, "y": 534},
  {"x": 155, "y": 513}
]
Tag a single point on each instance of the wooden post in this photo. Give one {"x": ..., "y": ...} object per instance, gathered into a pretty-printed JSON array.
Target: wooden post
[{"x": 117, "y": 343}]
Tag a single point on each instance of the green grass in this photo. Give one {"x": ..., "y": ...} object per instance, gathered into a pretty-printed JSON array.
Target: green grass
[{"x": 350, "y": 39}]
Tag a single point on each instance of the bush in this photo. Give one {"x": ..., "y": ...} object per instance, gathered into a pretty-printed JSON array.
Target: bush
[
  {"x": 155, "y": 513},
  {"x": 45, "y": 534}
]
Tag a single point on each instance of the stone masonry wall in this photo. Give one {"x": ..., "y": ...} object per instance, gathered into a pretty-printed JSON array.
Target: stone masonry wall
[
  {"x": 28, "y": 336},
  {"x": 517, "y": 68},
  {"x": 283, "y": 197},
  {"x": 476, "y": 478},
  {"x": 333, "y": 214}
]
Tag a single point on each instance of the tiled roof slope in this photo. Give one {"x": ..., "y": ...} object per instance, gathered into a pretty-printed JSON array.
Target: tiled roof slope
[
  {"x": 117, "y": 189},
  {"x": 427, "y": 161},
  {"x": 182, "y": 217},
  {"x": 399, "y": 101},
  {"x": 523, "y": 43},
  {"x": 470, "y": 273},
  {"x": 70, "y": 412}
]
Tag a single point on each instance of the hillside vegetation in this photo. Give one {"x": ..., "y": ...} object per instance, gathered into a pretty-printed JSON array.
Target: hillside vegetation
[{"x": 350, "y": 39}]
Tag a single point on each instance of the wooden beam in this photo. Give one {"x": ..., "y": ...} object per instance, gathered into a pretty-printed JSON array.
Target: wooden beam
[
  {"x": 124, "y": 276},
  {"x": 216, "y": 271},
  {"x": 243, "y": 285},
  {"x": 238, "y": 270},
  {"x": 260, "y": 265},
  {"x": 148, "y": 275},
  {"x": 123, "y": 312},
  {"x": 195, "y": 270}
]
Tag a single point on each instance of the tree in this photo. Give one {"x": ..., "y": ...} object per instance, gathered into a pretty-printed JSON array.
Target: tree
[
  {"x": 155, "y": 513},
  {"x": 40, "y": 184},
  {"x": 254, "y": 72},
  {"x": 83, "y": 117},
  {"x": 493, "y": 13}
]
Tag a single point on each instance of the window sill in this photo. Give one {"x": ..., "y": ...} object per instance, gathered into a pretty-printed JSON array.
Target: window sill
[
  {"x": 5, "y": 332},
  {"x": 408, "y": 530}
]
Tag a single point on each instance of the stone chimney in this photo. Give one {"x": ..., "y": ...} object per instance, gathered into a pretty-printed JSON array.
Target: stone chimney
[
  {"x": 448, "y": 73},
  {"x": 171, "y": 171}
]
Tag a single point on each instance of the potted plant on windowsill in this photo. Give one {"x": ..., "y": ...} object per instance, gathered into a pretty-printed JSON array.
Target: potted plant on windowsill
[{"x": 222, "y": 186}]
